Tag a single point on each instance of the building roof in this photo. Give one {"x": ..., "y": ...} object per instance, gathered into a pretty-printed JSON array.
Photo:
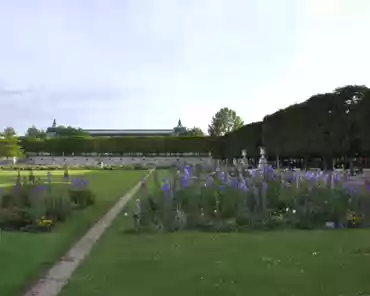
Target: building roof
[
  {"x": 128, "y": 131},
  {"x": 50, "y": 129}
]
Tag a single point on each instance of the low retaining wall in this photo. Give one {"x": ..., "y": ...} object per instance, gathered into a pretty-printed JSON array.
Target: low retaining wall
[{"x": 94, "y": 161}]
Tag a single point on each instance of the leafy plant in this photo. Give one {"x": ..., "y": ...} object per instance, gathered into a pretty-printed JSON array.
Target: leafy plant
[
  {"x": 227, "y": 200},
  {"x": 57, "y": 208},
  {"x": 82, "y": 197}
]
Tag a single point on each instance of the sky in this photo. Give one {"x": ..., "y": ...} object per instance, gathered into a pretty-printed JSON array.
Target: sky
[{"x": 143, "y": 64}]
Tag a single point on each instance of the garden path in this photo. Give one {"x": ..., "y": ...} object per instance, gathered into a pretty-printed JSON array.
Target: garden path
[{"x": 57, "y": 277}]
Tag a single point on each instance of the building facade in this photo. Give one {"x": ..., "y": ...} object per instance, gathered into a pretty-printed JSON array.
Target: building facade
[{"x": 176, "y": 131}]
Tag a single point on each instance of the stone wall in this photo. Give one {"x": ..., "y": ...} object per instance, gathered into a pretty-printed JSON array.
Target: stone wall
[{"x": 92, "y": 161}]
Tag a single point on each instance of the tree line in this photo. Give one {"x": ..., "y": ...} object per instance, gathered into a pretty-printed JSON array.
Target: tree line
[
  {"x": 69, "y": 140},
  {"x": 329, "y": 125},
  {"x": 224, "y": 121}
]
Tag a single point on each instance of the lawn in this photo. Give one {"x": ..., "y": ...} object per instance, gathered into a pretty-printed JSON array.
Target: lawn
[
  {"x": 321, "y": 263},
  {"x": 25, "y": 256}
]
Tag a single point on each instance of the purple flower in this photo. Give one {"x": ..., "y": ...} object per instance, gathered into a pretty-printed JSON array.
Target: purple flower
[
  {"x": 244, "y": 187},
  {"x": 79, "y": 183},
  {"x": 350, "y": 188},
  {"x": 221, "y": 176},
  {"x": 187, "y": 173},
  {"x": 210, "y": 181},
  {"x": 227, "y": 179},
  {"x": 236, "y": 184},
  {"x": 264, "y": 187},
  {"x": 185, "y": 182},
  {"x": 166, "y": 186},
  {"x": 187, "y": 170}
]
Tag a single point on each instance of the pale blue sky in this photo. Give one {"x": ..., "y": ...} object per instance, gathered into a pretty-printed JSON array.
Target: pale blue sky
[{"x": 145, "y": 63}]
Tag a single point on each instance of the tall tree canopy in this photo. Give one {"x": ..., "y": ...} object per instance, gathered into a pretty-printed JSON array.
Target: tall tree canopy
[
  {"x": 34, "y": 132},
  {"x": 224, "y": 121},
  {"x": 194, "y": 132},
  {"x": 10, "y": 147},
  {"x": 68, "y": 131},
  {"x": 8, "y": 132}
]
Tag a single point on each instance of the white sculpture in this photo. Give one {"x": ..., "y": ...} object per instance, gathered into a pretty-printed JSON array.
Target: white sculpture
[
  {"x": 244, "y": 161},
  {"x": 262, "y": 163}
]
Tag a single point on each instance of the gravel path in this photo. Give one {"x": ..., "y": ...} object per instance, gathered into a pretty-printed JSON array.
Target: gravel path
[{"x": 57, "y": 277}]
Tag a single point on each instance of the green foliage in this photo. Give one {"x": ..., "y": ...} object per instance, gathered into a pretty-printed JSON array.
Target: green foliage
[
  {"x": 8, "y": 132},
  {"x": 194, "y": 132},
  {"x": 69, "y": 131},
  {"x": 224, "y": 121},
  {"x": 10, "y": 147},
  {"x": 82, "y": 197},
  {"x": 57, "y": 208},
  {"x": 329, "y": 125},
  {"x": 250, "y": 200},
  {"x": 14, "y": 218},
  {"x": 37, "y": 207},
  {"x": 246, "y": 138},
  {"x": 34, "y": 132},
  {"x": 145, "y": 145}
]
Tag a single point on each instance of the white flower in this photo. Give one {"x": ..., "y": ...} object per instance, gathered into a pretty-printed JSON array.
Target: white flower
[{"x": 294, "y": 211}]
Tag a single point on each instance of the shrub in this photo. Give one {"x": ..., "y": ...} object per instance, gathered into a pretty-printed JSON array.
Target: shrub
[
  {"x": 19, "y": 196},
  {"x": 7, "y": 200},
  {"x": 35, "y": 207},
  {"x": 82, "y": 197},
  {"x": 14, "y": 218},
  {"x": 57, "y": 208}
]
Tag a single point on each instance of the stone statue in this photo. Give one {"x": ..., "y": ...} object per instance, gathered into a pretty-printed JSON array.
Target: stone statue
[
  {"x": 262, "y": 163},
  {"x": 244, "y": 161}
]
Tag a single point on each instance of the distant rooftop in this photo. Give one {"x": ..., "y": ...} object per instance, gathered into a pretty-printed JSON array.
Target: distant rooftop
[
  {"x": 128, "y": 131},
  {"x": 51, "y": 131}
]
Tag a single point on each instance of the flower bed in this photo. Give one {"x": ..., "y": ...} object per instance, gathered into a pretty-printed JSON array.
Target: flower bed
[
  {"x": 31, "y": 205},
  {"x": 232, "y": 200},
  {"x": 74, "y": 167}
]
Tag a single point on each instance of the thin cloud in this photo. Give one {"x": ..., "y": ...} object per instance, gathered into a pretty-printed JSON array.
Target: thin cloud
[{"x": 14, "y": 92}]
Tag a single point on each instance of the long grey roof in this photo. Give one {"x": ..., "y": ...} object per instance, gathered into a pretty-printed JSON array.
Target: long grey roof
[{"x": 128, "y": 131}]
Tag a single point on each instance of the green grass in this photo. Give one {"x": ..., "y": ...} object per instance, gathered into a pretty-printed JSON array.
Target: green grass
[
  {"x": 25, "y": 256},
  {"x": 320, "y": 263}
]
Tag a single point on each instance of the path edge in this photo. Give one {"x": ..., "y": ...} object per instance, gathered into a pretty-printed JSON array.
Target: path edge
[{"x": 52, "y": 283}]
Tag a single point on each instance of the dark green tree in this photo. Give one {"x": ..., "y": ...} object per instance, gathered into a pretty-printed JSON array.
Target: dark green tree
[
  {"x": 68, "y": 131},
  {"x": 8, "y": 132},
  {"x": 34, "y": 132},
  {"x": 194, "y": 132}
]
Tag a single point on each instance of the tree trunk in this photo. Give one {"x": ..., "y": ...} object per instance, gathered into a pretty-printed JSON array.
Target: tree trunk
[{"x": 351, "y": 167}]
